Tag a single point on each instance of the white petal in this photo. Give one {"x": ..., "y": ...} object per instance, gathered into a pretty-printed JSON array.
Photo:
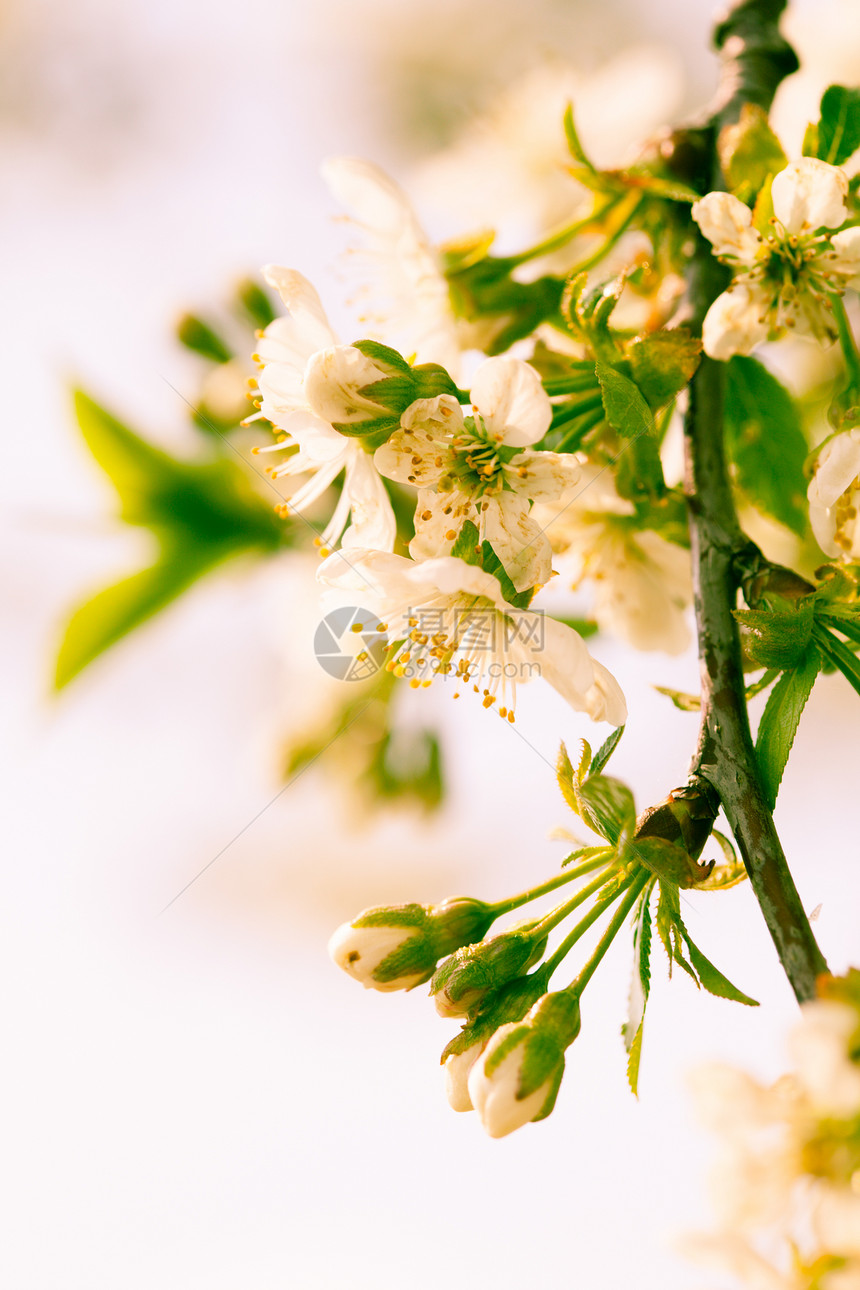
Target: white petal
[
  {"x": 333, "y": 380},
  {"x": 319, "y": 441},
  {"x": 456, "y": 1071},
  {"x": 512, "y": 401},
  {"x": 727, "y": 224},
  {"x": 415, "y": 302},
  {"x": 373, "y": 523},
  {"x": 810, "y": 194},
  {"x": 380, "y": 579},
  {"x": 312, "y": 326},
  {"x": 543, "y": 476},
  {"x": 836, "y": 467},
  {"x": 846, "y": 256},
  {"x": 439, "y": 517},
  {"x": 734, "y": 323},
  {"x": 605, "y": 700},
  {"x": 517, "y": 539},
  {"x": 448, "y": 574},
  {"x": 562, "y": 657}
]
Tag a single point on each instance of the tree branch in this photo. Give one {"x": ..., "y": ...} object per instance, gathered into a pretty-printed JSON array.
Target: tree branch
[{"x": 755, "y": 59}]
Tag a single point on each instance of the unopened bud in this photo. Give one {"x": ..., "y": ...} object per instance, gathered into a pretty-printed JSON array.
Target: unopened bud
[
  {"x": 396, "y": 947},
  {"x": 466, "y": 979},
  {"x": 511, "y": 1003},
  {"x": 518, "y": 1077}
]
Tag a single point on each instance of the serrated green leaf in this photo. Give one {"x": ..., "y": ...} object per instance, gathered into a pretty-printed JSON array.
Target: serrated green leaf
[
  {"x": 119, "y": 609},
  {"x": 839, "y": 127},
  {"x": 640, "y": 985},
  {"x": 587, "y": 853},
  {"x": 564, "y": 776},
  {"x": 605, "y": 751},
  {"x": 778, "y": 638},
  {"x": 625, "y": 406},
  {"x": 780, "y": 720},
  {"x": 750, "y": 152},
  {"x": 839, "y": 655},
  {"x": 712, "y": 978},
  {"x": 765, "y": 442},
  {"x": 607, "y": 806},
  {"x": 729, "y": 874},
  {"x": 670, "y": 927},
  {"x": 663, "y": 363},
  {"x": 634, "y": 1059}
]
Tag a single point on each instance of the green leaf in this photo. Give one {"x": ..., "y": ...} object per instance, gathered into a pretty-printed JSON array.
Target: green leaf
[
  {"x": 780, "y": 720},
  {"x": 606, "y": 806},
  {"x": 605, "y": 751},
  {"x": 493, "y": 565},
  {"x": 565, "y": 776},
  {"x": 663, "y": 363},
  {"x": 639, "y": 471},
  {"x": 118, "y": 610},
  {"x": 634, "y": 1058},
  {"x": 255, "y": 302},
  {"x": 467, "y": 546},
  {"x": 684, "y": 702},
  {"x": 587, "y": 853},
  {"x": 200, "y": 338},
  {"x": 750, "y": 153},
  {"x": 670, "y": 927},
  {"x": 383, "y": 354},
  {"x": 839, "y": 654},
  {"x": 765, "y": 442},
  {"x": 574, "y": 145},
  {"x": 625, "y": 406},
  {"x": 809, "y": 147},
  {"x": 583, "y": 627},
  {"x": 839, "y": 127},
  {"x": 667, "y": 860},
  {"x": 712, "y": 978}
]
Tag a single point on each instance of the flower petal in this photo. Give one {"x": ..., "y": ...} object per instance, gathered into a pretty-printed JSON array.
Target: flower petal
[
  {"x": 734, "y": 323},
  {"x": 810, "y": 194},
  {"x": 373, "y": 524},
  {"x": 439, "y": 517},
  {"x": 543, "y": 476},
  {"x": 311, "y": 326},
  {"x": 512, "y": 401},
  {"x": 846, "y": 256},
  {"x": 727, "y": 224},
  {"x": 517, "y": 539}
]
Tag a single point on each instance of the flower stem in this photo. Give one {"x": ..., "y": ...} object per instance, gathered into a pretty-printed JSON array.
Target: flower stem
[
  {"x": 563, "y": 235},
  {"x": 633, "y": 890},
  {"x": 583, "y": 925},
  {"x": 568, "y": 875},
  {"x": 556, "y": 916}
]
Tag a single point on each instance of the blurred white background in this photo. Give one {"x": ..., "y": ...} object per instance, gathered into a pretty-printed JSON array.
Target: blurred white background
[{"x": 199, "y": 1099}]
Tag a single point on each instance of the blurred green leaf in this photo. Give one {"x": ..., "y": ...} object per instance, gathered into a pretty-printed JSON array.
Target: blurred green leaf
[
  {"x": 750, "y": 153},
  {"x": 200, "y": 338},
  {"x": 626, "y": 409},
  {"x": 838, "y": 134},
  {"x": 765, "y": 442},
  {"x": 201, "y": 512},
  {"x": 663, "y": 363}
]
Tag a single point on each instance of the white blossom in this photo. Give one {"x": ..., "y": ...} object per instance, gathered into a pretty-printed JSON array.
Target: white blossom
[
  {"x": 784, "y": 279},
  {"x": 307, "y": 380},
  {"x": 834, "y": 496},
  {"x": 445, "y": 617},
  {"x": 481, "y": 468},
  {"x": 642, "y": 583},
  {"x": 404, "y": 292}
]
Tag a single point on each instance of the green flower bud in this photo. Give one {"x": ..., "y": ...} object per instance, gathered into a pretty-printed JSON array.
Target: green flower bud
[
  {"x": 518, "y": 1077},
  {"x": 396, "y": 947},
  {"x": 465, "y": 980},
  {"x": 510, "y": 1003}
]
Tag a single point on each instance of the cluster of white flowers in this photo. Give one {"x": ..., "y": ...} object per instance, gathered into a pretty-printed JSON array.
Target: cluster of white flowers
[
  {"x": 787, "y": 1184},
  {"x": 783, "y": 280},
  {"x": 363, "y": 413}
]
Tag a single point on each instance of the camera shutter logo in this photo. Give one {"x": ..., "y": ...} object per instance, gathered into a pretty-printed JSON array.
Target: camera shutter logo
[{"x": 349, "y": 644}]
